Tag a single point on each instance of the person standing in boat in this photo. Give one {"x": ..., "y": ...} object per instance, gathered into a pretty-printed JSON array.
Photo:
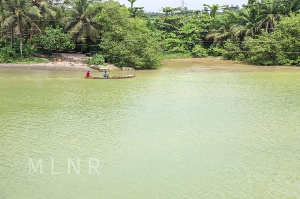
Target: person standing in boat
[
  {"x": 105, "y": 74},
  {"x": 88, "y": 74}
]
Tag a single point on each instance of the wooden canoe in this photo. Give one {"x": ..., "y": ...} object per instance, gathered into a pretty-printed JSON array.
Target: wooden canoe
[{"x": 113, "y": 77}]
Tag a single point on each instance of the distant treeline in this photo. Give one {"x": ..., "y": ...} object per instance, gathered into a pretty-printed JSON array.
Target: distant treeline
[{"x": 263, "y": 32}]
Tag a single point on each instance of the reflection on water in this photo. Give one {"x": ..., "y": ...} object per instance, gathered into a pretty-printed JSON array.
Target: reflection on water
[{"x": 191, "y": 129}]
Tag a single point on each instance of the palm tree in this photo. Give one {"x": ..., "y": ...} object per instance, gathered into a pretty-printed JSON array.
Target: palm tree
[
  {"x": 222, "y": 32},
  {"x": 81, "y": 24},
  {"x": 167, "y": 11},
  {"x": 1, "y": 12},
  {"x": 291, "y": 6},
  {"x": 247, "y": 24},
  {"x": 19, "y": 16},
  {"x": 131, "y": 3},
  {"x": 47, "y": 12},
  {"x": 269, "y": 15},
  {"x": 213, "y": 9}
]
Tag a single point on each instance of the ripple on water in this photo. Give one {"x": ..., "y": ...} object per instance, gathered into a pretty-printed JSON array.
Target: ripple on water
[{"x": 173, "y": 133}]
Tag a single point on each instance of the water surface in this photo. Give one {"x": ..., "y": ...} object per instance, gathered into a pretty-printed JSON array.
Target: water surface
[{"x": 188, "y": 130}]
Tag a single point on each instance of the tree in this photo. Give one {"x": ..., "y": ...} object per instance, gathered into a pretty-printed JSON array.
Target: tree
[
  {"x": 247, "y": 24},
  {"x": 221, "y": 28},
  {"x": 131, "y": 3},
  {"x": 81, "y": 25},
  {"x": 269, "y": 15},
  {"x": 213, "y": 9},
  {"x": 19, "y": 16},
  {"x": 54, "y": 39},
  {"x": 125, "y": 41},
  {"x": 291, "y": 6},
  {"x": 47, "y": 11}
]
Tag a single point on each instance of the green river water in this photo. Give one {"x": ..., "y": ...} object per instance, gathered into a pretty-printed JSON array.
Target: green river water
[{"x": 184, "y": 131}]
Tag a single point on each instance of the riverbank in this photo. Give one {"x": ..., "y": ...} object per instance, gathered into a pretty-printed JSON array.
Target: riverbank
[
  {"x": 212, "y": 63},
  {"x": 60, "y": 66},
  {"x": 196, "y": 63}
]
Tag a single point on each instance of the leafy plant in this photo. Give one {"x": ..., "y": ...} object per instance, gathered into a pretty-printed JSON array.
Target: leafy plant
[
  {"x": 199, "y": 51},
  {"x": 7, "y": 55},
  {"x": 97, "y": 59},
  {"x": 54, "y": 39},
  {"x": 231, "y": 50},
  {"x": 126, "y": 42}
]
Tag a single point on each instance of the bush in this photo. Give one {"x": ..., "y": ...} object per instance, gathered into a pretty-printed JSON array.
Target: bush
[
  {"x": 261, "y": 51},
  {"x": 232, "y": 50},
  {"x": 7, "y": 55},
  {"x": 54, "y": 40},
  {"x": 27, "y": 50},
  {"x": 126, "y": 42},
  {"x": 97, "y": 59},
  {"x": 199, "y": 51},
  {"x": 280, "y": 47},
  {"x": 215, "y": 51}
]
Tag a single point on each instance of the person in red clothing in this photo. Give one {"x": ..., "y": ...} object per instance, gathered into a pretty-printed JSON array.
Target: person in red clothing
[{"x": 88, "y": 74}]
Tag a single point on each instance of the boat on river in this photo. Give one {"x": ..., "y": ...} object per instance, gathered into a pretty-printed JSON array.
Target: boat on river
[{"x": 113, "y": 77}]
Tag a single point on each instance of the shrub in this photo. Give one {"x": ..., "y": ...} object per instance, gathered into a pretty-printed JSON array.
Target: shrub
[
  {"x": 215, "y": 51},
  {"x": 231, "y": 50},
  {"x": 7, "y": 55},
  {"x": 97, "y": 59},
  {"x": 199, "y": 51},
  {"x": 54, "y": 40}
]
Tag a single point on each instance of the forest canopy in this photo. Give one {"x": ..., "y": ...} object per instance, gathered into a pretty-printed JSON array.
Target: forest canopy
[{"x": 262, "y": 32}]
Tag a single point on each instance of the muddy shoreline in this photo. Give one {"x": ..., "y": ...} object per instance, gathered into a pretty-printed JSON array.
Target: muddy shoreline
[
  {"x": 208, "y": 63},
  {"x": 56, "y": 66}
]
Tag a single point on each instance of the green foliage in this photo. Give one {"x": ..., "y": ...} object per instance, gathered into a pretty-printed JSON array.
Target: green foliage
[
  {"x": 130, "y": 37},
  {"x": 126, "y": 42},
  {"x": 81, "y": 24},
  {"x": 19, "y": 18},
  {"x": 262, "y": 51},
  {"x": 232, "y": 50},
  {"x": 7, "y": 55},
  {"x": 177, "y": 55},
  {"x": 54, "y": 39},
  {"x": 97, "y": 59},
  {"x": 215, "y": 51},
  {"x": 28, "y": 50},
  {"x": 280, "y": 47},
  {"x": 199, "y": 51},
  {"x": 29, "y": 60},
  {"x": 180, "y": 34},
  {"x": 2, "y": 42}
]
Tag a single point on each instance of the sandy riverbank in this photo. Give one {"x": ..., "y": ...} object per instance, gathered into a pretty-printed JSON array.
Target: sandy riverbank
[
  {"x": 195, "y": 63},
  {"x": 61, "y": 66}
]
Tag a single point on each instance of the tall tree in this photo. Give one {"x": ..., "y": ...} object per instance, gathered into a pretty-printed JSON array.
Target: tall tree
[
  {"x": 269, "y": 15},
  {"x": 222, "y": 31},
  {"x": 213, "y": 9},
  {"x": 19, "y": 18},
  {"x": 131, "y": 3},
  {"x": 47, "y": 11},
  {"x": 81, "y": 24},
  {"x": 247, "y": 24}
]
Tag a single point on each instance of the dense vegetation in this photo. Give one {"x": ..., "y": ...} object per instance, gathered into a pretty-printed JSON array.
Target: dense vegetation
[{"x": 265, "y": 32}]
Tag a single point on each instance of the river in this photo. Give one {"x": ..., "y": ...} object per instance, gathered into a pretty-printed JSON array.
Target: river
[{"x": 187, "y": 130}]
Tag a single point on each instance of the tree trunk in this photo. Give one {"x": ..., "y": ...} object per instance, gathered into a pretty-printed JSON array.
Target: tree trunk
[
  {"x": 31, "y": 33},
  {"x": 21, "y": 45},
  {"x": 21, "y": 40},
  {"x": 12, "y": 38}
]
